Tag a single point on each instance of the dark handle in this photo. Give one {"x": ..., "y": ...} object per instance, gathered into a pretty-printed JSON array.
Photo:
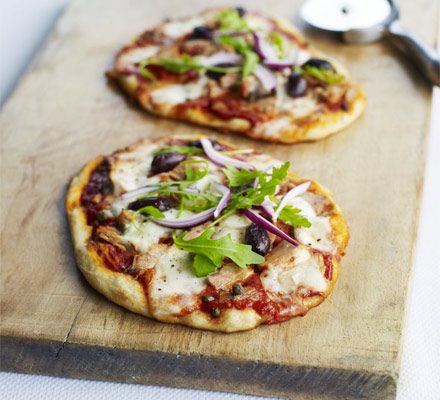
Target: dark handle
[{"x": 424, "y": 56}]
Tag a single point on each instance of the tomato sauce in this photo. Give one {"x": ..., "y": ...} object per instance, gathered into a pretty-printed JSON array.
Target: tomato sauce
[
  {"x": 259, "y": 301},
  {"x": 93, "y": 194},
  {"x": 231, "y": 110},
  {"x": 328, "y": 262},
  {"x": 231, "y": 113},
  {"x": 312, "y": 293},
  {"x": 166, "y": 240},
  {"x": 93, "y": 198},
  {"x": 341, "y": 105}
]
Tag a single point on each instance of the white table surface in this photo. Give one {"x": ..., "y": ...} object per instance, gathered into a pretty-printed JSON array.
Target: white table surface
[{"x": 24, "y": 25}]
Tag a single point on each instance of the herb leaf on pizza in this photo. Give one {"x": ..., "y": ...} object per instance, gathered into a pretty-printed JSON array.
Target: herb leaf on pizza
[
  {"x": 239, "y": 71},
  {"x": 214, "y": 237}
]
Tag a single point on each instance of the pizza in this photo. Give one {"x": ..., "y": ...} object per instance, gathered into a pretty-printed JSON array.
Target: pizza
[
  {"x": 239, "y": 71},
  {"x": 193, "y": 231}
]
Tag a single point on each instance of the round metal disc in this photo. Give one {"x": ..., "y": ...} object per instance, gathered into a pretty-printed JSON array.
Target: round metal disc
[{"x": 345, "y": 15}]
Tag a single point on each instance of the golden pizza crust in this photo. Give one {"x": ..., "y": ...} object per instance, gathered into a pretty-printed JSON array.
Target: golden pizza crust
[
  {"x": 127, "y": 292},
  {"x": 320, "y": 126}
]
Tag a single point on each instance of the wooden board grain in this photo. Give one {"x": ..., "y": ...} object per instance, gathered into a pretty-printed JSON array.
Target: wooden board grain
[{"x": 64, "y": 113}]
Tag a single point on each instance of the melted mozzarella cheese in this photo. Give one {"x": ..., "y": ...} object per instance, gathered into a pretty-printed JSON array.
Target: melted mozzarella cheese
[
  {"x": 174, "y": 285},
  {"x": 176, "y": 29},
  {"x": 286, "y": 276},
  {"x": 130, "y": 175},
  {"x": 300, "y": 107},
  {"x": 262, "y": 161},
  {"x": 137, "y": 55},
  {"x": 289, "y": 107},
  {"x": 306, "y": 276},
  {"x": 149, "y": 233},
  {"x": 144, "y": 150},
  {"x": 179, "y": 93},
  {"x": 117, "y": 206},
  {"x": 303, "y": 56},
  {"x": 131, "y": 169},
  {"x": 318, "y": 235},
  {"x": 235, "y": 225},
  {"x": 204, "y": 184}
]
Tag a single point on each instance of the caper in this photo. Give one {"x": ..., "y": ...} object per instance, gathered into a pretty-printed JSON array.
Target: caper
[
  {"x": 164, "y": 162},
  {"x": 216, "y": 312},
  {"x": 101, "y": 217},
  {"x": 258, "y": 238},
  {"x": 237, "y": 289},
  {"x": 296, "y": 85},
  {"x": 317, "y": 63},
  {"x": 206, "y": 298},
  {"x": 120, "y": 226},
  {"x": 161, "y": 203},
  {"x": 105, "y": 161},
  {"x": 103, "y": 167},
  {"x": 106, "y": 186}
]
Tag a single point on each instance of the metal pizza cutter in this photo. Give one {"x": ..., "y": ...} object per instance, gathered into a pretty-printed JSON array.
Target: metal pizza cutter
[{"x": 362, "y": 21}]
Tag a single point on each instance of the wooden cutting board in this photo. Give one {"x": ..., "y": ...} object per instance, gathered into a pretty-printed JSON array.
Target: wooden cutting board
[{"x": 64, "y": 113}]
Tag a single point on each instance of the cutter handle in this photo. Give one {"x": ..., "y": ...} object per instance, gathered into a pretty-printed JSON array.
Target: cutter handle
[{"x": 423, "y": 55}]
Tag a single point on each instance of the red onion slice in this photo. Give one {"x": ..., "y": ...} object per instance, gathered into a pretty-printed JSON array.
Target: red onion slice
[
  {"x": 189, "y": 222},
  {"x": 139, "y": 192},
  {"x": 262, "y": 48},
  {"x": 268, "y": 55},
  {"x": 222, "y": 58},
  {"x": 267, "y": 78},
  {"x": 267, "y": 206},
  {"x": 280, "y": 64},
  {"x": 224, "y": 200},
  {"x": 265, "y": 224},
  {"x": 296, "y": 191},
  {"x": 220, "y": 159}
]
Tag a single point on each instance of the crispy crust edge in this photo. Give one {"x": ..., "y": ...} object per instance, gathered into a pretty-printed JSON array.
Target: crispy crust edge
[{"x": 127, "y": 292}]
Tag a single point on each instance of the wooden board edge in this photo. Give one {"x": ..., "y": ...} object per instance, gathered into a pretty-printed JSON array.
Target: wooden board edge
[
  {"x": 72, "y": 360},
  {"x": 416, "y": 227}
]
